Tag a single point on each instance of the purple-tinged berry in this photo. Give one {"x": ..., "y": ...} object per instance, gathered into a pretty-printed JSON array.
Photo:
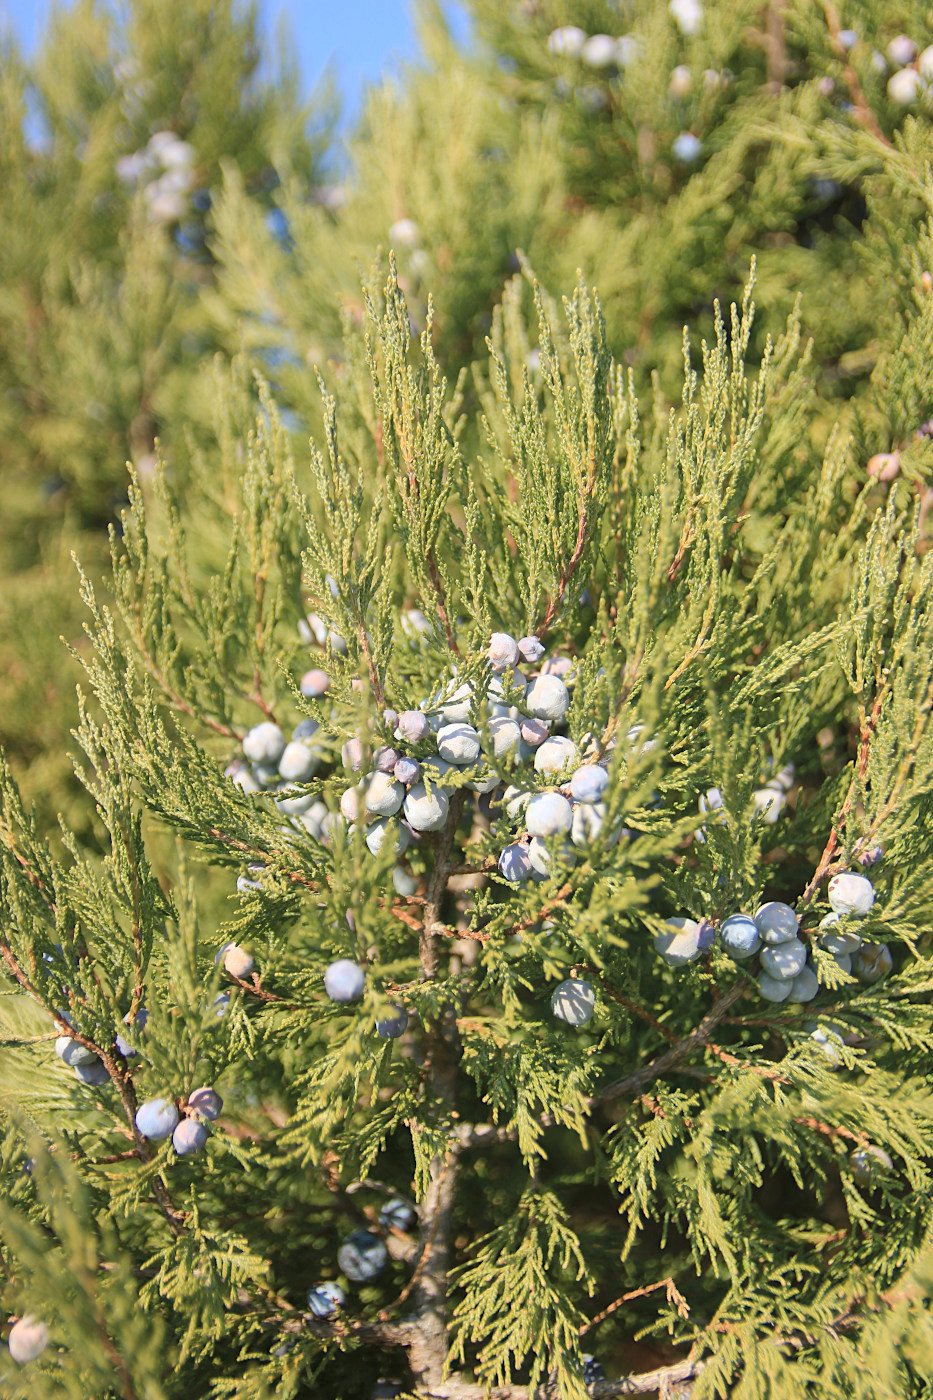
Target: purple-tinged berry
[
  {"x": 549, "y": 814},
  {"x": 534, "y": 731},
  {"x": 515, "y": 862},
  {"x": 206, "y": 1102},
  {"x": 776, "y": 922},
  {"x": 784, "y": 960},
  {"x": 189, "y": 1137},
  {"x": 412, "y": 726},
  {"x": 740, "y": 936},
  {"x": 805, "y": 985},
  {"x": 385, "y": 758},
  {"x": 774, "y": 988},
  {"x": 589, "y": 783},
  {"x": 351, "y": 754},
  {"x": 94, "y": 1074},
  {"x": 397, "y": 1214},
  {"x": 314, "y": 683},
  {"x": 407, "y": 771},
  {"x": 530, "y": 649}
]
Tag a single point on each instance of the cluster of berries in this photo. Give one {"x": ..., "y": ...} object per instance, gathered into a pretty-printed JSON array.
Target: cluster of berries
[
  {"x": 768, "y": 801},
  {"x": 607, "y": 53},
  {"x": 913, "y": 71},
  {"x": 785, "y": 974},
  {"x": 164, "y": 169},
  {"x": 89, "y": 1068},
  {"x": 360, "y": 1258},
  {"x": 595, "y": 50},
  {"x": 157, "y": 1119},
  {"x": 276, "y": 765},
  {"x": 404, "y": 793}
]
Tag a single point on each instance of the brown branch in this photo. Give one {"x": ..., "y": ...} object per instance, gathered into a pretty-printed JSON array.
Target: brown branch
[
  {"x": 437, "y": 585},
  {"x": 776, "y": 44},
  {"x": 547, "y": 908},
  {"x": 634, "y": 1083},
  {"x": 825, "y": 865},
  {"x": 428, "y": 1348},
  {"x": 735, "y": 1062},
  {"x": 673, "y": 1293},
  {"x": 828, "y": 1130},
  {"x": 861, "y": 110},
  {"x": 645, "y": 1383},
  {"x": 255, "y": 988},
  {"x": 176, "y": 700},
  {"x": 632, "y": 1006},
  {"x": 568, "y": 569}
]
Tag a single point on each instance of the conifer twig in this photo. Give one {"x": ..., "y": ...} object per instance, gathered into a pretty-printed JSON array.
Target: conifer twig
[
  {"x": 639, "y": 1079},
  {"x": 860, "y": 107},
  {"x": 668, "y": 1284},
  {"x": 826, "y": 859},
  {"x": 776, "y": 45},
  {"x": 428, "y": 1348},
  {"x": 587, "y": 489},
  {"x": 643, "y": 1383}
]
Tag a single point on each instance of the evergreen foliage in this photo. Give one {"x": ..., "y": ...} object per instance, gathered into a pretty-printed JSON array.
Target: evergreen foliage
[
  {"x": 103, "y": 275},
  {"x": 623, "y": 1139}
]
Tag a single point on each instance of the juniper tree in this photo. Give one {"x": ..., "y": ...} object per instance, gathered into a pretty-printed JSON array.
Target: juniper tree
[
  {"x": 113, "y": 140},
  {"x": 501, "y": 1091},
  {"x": 555, "y": 134}
]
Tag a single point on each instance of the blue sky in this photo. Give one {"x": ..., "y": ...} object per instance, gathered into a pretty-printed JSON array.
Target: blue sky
[{"x": 363, "y": 38}]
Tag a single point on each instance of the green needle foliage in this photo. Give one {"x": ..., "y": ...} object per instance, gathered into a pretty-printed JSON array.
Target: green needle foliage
[
  {"x": 104, "y": 271},
  {"x": 701, "y": 1185}
]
